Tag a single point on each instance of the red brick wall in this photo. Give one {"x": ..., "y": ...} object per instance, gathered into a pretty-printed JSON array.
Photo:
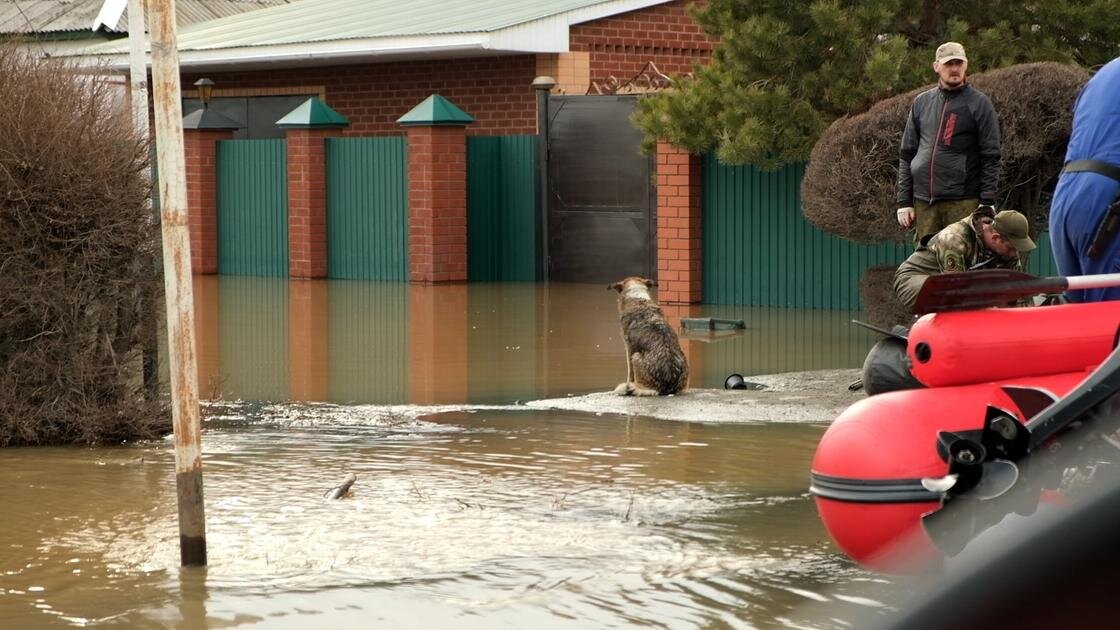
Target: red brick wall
[
  {"x": 679, "y": 255},
  {"x": 621, "y": 45},
  {"x": 307, "y": 202},
  {"x": 200, "y": 149},
  {"x": 437, "y": 204},
  {"x": 494, "y": 90}
]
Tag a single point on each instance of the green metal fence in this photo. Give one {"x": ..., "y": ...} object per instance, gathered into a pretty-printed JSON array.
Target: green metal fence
[
  {"x": 501, "y": 216},
  {"x": 252, "y": 208},
  {"x": 759, "y": 250},
  {"x": 1041, "y": 261},
  {"x": 367, "y": 208}
]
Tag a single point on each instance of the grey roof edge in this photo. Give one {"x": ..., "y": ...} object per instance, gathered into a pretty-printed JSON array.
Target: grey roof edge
[{"x": 513, "y": 36}]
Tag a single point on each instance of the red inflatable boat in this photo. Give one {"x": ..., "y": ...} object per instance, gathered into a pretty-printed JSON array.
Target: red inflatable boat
[
  {"x": 868, "y": 471},
  {"x": 993, "y": 377},
  {"x": 964, "y": 347}
]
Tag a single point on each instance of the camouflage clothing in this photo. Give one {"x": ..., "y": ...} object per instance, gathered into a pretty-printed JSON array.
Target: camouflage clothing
[
  {"x": 930, "y": 218},
  {"x": 959, "y": 247}
]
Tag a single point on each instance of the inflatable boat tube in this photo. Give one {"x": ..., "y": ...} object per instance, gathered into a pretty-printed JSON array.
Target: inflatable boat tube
[
  {"x": 959, "y": 348},
  {"x": 867, "y": 472}
]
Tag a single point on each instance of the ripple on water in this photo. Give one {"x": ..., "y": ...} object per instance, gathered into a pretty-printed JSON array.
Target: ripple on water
[{"x": 550, "y": 515}]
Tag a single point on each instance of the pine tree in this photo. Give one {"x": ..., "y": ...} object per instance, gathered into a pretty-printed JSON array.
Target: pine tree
[{"x": 783, "y": 69}]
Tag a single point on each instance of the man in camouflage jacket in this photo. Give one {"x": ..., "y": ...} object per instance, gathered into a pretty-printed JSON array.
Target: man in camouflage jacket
[{"x": 980, "y": 241}]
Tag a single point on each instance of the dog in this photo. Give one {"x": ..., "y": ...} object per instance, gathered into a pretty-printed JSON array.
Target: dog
[{"x": 655, "y": 363}]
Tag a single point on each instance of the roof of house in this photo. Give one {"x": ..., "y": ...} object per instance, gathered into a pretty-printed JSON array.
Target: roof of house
[
  {"x": 25, "y": 17},
  {"x": 348, "y": 31}
]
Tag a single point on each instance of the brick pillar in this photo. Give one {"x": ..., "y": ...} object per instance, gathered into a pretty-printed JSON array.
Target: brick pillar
[
  {"x": 678, "y": 226},
  {"x": 307, "y": 200},
  {"x": 437, "y": 203},
  {"x": 200, "y": 148}
]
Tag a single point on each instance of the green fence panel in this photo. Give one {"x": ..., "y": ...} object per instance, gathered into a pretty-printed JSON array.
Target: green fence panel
[
  {"x": 759, "y": 250},
  {"x": 252, "y": 208},
  {"x": 367, "y": 208},
  {"x": 1041, "y": 261},
  {"x": 501, "y": 208}
]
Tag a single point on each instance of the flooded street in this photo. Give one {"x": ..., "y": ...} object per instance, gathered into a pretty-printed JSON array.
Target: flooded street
[{"x": 470, "y": 509}]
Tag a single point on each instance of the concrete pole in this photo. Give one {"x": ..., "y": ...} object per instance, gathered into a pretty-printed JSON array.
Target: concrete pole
[
  {"x": 138, "y": 80},
  {"x": 177, "y": 282},
  {"x": 138, "y": 67}
]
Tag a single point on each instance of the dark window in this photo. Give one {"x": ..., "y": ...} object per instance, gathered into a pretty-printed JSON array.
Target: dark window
[{"x": 256, "y": 114}]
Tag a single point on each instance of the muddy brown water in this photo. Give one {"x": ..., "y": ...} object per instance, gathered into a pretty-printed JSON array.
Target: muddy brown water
[{"x": 470, "y": 509}]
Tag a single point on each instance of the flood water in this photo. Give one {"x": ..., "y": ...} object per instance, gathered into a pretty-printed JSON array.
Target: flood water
[{"x": 470, "y": 509}]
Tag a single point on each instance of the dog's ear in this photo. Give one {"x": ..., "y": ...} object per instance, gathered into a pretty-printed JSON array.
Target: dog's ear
[
  {"x": 651, "y": 283},
  {"x": 616, "y": 286}
]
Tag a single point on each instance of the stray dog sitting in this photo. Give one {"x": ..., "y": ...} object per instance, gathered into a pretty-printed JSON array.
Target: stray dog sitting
[{"x": 655, "y": 363}]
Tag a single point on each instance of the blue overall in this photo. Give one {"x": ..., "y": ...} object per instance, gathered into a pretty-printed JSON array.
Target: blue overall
[{"x": 1081, "y": 199}]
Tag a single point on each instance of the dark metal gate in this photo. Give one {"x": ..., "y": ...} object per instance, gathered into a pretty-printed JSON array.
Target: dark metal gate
[{"x": 601, "y": 218}]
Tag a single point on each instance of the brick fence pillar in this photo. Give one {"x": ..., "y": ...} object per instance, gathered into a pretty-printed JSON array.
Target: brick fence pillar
[
  {"x": 200, "y": 149},
  {"x": 307, "y": 201},
  {"x": 679, "y": 252},
  {"x": 437, "y": 191},
  {"x": 307, "y": 129}
]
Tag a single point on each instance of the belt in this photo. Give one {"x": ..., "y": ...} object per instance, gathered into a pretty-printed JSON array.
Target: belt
[{"x": 1093, "y": 166}]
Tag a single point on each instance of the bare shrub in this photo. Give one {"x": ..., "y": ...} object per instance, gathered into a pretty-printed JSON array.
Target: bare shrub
[
  {"x": 849, "y": 185},
  {"x": 876, "y": 290},
  {"x": 78, "y": 287}
]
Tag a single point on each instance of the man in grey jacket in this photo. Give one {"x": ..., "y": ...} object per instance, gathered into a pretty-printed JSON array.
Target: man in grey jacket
[{"x": 949, "y": 158}]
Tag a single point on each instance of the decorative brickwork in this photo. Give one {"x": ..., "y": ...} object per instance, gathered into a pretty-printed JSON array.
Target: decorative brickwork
[
  {"x": 307, "y": 201},
  {"x": 200, "y": 148},
  {"x": 621, "y": 45},
  {"x": 679, "y": 254},
  {"x": 437, "y": 204}
]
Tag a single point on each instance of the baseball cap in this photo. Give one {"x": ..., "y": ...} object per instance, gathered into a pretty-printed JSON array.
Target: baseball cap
[
  {"x": 1014, "y": 227},
  {"x": 948, "y": 52}
]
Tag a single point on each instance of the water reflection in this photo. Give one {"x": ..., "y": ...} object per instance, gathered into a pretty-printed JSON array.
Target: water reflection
[
  {"x": 470, "y": 510},
  {"x": 370, "y": 342}
]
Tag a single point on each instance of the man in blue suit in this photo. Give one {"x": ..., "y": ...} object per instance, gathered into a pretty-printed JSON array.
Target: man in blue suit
[{"x": 1085, "y": 212}]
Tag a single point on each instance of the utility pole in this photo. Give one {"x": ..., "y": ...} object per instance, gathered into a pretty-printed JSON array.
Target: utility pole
[
  {"x": 138, "y": 82},
  {"x": 177, "y": 282},
  {"x": 138, "y": 67}
]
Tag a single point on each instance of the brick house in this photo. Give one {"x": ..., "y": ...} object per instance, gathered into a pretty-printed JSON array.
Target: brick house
[{"x": 372, "y": 61}]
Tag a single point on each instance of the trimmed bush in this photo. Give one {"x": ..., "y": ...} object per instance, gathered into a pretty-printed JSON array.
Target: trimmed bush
[
  {"x": 79, "y": 290},
  {"x": 850, "y": 182}
]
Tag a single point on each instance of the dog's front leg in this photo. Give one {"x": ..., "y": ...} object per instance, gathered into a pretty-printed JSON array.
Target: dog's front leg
[{"x": 626, "y": 389}]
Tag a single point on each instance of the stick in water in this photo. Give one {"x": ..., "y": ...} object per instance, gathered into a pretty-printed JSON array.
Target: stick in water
[{"x": 343, "y": 489}]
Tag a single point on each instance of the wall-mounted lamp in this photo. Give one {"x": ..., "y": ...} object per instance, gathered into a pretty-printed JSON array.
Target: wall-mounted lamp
[{"x": 205, "y": 91}]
